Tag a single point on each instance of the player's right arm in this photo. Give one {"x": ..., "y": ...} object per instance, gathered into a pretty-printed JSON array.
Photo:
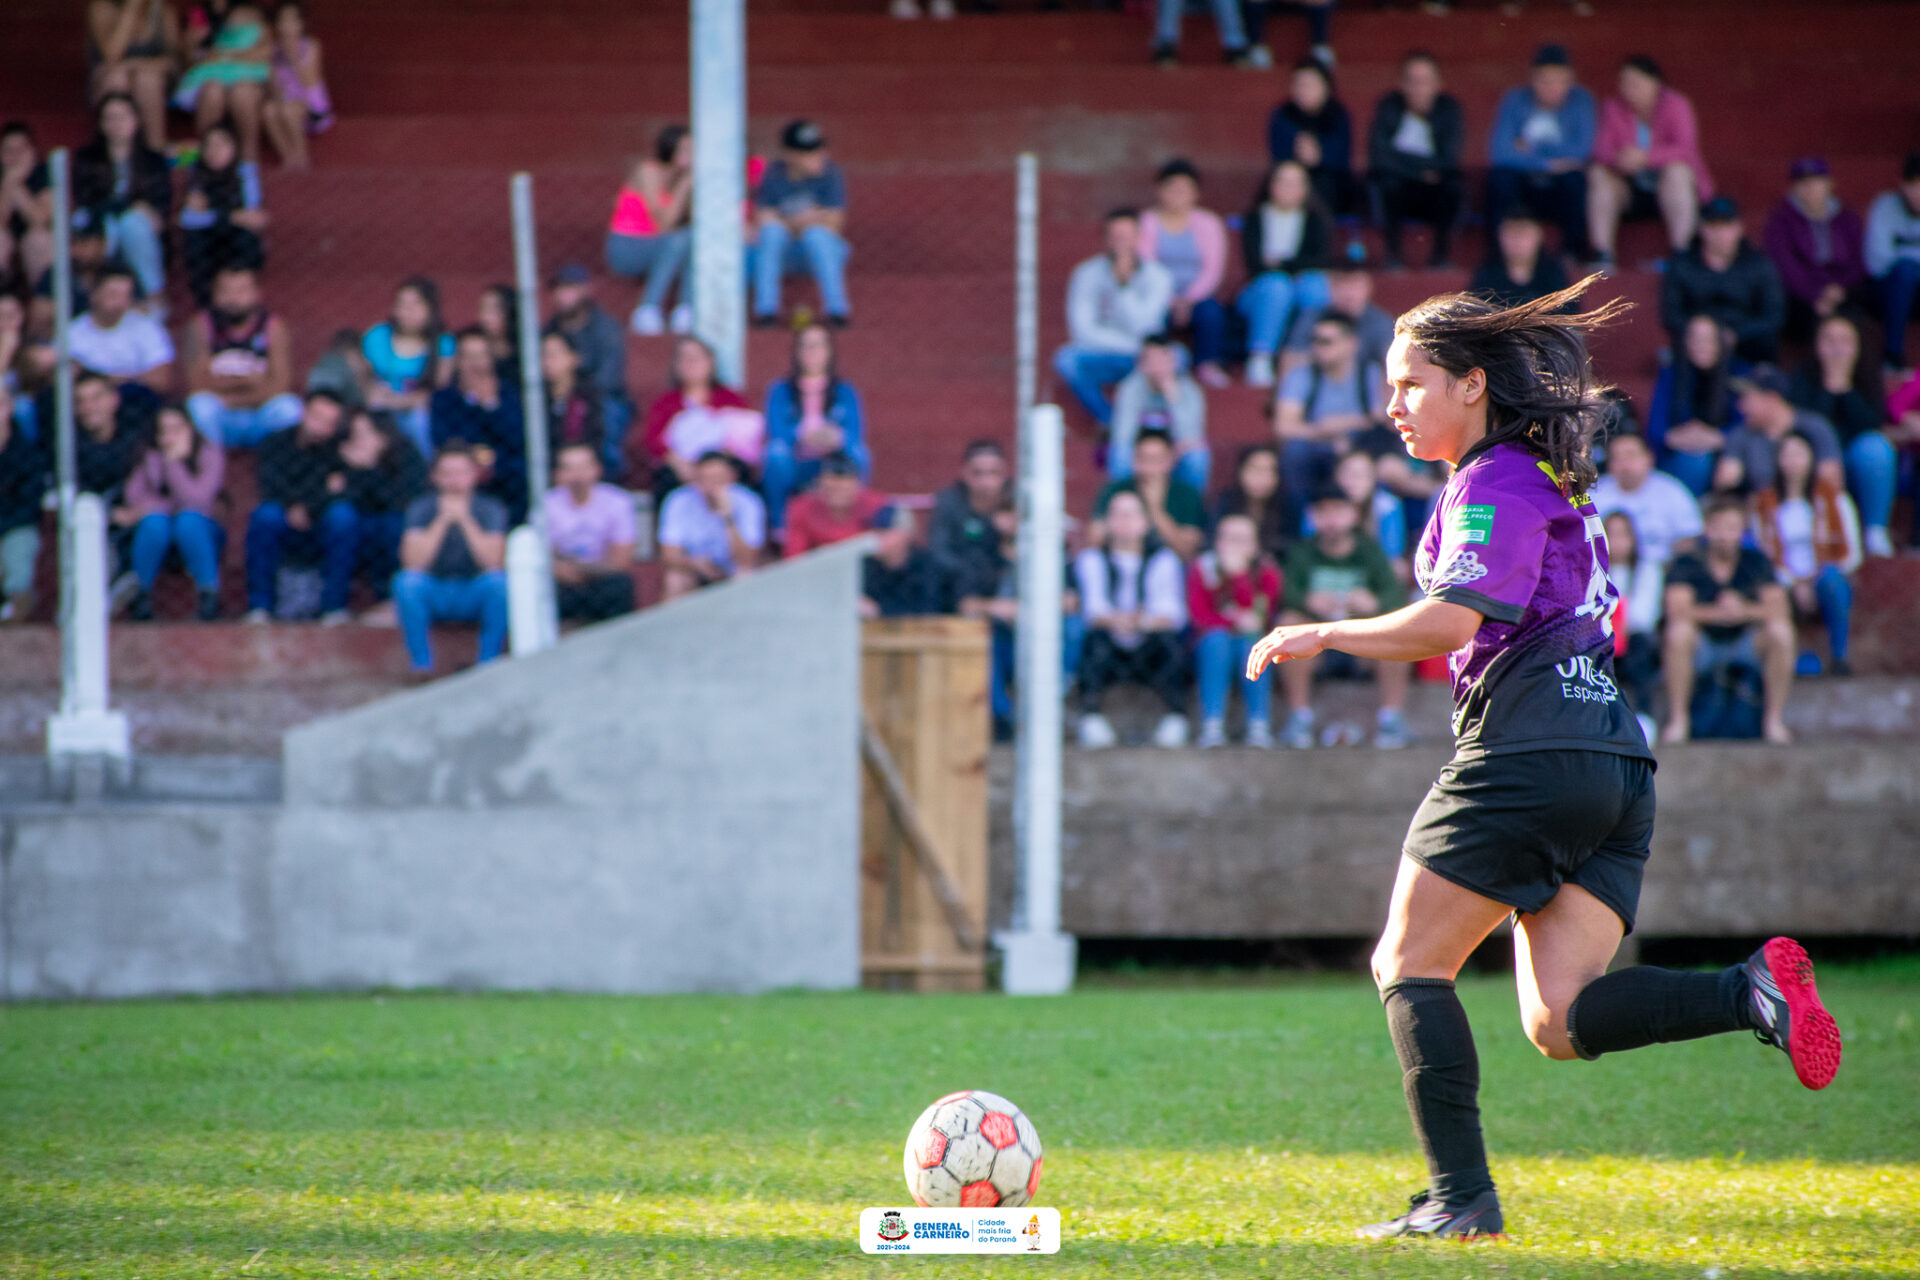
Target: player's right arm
[{"x": 1424, "y": 629}]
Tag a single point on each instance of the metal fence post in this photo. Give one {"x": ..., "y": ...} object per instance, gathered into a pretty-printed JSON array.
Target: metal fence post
[
  {"x": 1026, "y": 286},
  {"x": 533, "y": 619},
  {"x": 719, "y": 114}
]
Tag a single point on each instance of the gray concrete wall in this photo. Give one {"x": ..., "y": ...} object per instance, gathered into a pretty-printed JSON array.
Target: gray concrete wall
[{"x": 669, "y": 802}]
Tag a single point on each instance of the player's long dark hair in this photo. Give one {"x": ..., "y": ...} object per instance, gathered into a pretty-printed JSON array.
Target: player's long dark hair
[{"x": 1541, "y": 388}]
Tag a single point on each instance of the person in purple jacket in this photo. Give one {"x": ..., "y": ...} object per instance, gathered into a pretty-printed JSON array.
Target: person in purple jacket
[
  {"x": 1818, "y": 246},
  {"x": 1546, "y": 811}
]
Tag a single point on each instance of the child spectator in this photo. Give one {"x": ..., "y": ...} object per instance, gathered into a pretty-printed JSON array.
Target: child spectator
[
  {"x": 298, "y": 103},
  {"x": 592, "y": 530},
  {"x": 1134, "y": 606},
  {"x": 597, "y": 337},
  {"x": 1541, "y": 142},
  {"x": 220, "y": 217},
  {"x": 1312, "y": 126},
  {"x": 1725, "y": 609},
  {"x": 1255, "y": 493},
  {"x": 1646, "y": 160},
  {"x": 712, "y": 528},
  {"x": 497, "y": 315},
  {"x": 837, "y": 508},
  {"x": 122, "y": 187},
  {"x": 1808, "y": 527},
  {"x": 1817, "y": 247},
  {"x": 1516, "y": 269},
  {"x": 380, "y": 475},
  {"x": 1413, "y": 157},
  {"x": 1233, "y": 596},
  {"x": 573, "y": 416},
  {"x": 1191, "y": 243},
  {"x": 411, "y": 356},
  {"x": 812, "y": 414},
  {"x": 1748, "y": 459},
  {"x": 1694, "y": 404},
  {"x": 23, "y": 484},
  {"x": 1892, "y": 253},
  {"x": 1325, "y": 405},
  {"x": 239, "y": 359},
  {"x": 1640, "y": 582},
  {"x": 649, "y": 235},
  {"x": 302, "y": 511},
  {"x": 230, "y": 60},
  {"x": 486, "y": 414},
  {"x": 1286, "y": 239},
  {"x": 964, "y": 535},
  {"x": 1166, "y": 32},
  {"x": 1158, "y": 395},
  {"x": 131, "y": 47},
  {"x": 1340, "y": 573},
  {"x": 1349, "y": 293},
  {"x": 695, "y": 390},
  {"x": 1725, "y": 277},
  {"x": 1843, "y": 388},
  {"x": 115, "y": 339},
  {"x": 169, "y": 504},
  {"x": 1114, "y": 301},
  {"x": 901, "y": 580},
  {"x": 1666, "y": 518},
  {"x": 26, "y": 211},
  {"x": 802, "y": 210},
  {"x": 1176, "y": 513},
  {"x": 343, "y": 370},
  {"x": 452, "y": 560}
]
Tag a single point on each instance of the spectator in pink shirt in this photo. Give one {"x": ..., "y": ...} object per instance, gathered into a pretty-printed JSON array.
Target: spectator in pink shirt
[
  {"x": 1646, "y": 161},
  {"x": 591, "y": 528},
  {"x": 1191, "y": 243},
  {"x": 169, "y": 502}
]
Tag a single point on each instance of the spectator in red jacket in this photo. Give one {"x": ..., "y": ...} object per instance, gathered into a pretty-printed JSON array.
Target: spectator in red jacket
[
  {"x": 1233, "y": 593},
  {"x": 838, "y": 507},
  {"x": 1817, "y": 246},
  {"x": 695, "y": 386}
]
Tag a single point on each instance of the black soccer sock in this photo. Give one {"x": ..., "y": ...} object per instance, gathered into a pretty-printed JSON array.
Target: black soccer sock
[
  {"x": 1633, "y": 1008},
  {"x": 1440, "y": 1072}
]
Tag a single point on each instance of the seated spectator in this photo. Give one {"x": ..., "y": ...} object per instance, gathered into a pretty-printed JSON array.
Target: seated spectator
[
  {"x": 298, "y": 103},
  {"x": 996, "y": 599},
  {"x": 1808, "y": 527},
  {"x": 23, "y": 485},
  {"x": 697, "y": 396},
  {"x": 1339, "y": 573},
  {"x": 712, "y": 528},
  {"x": 1166, "y": 32},
  {"x": 1413, "y": 158},
  {"x": 1383, "y": 517},
  {"x": 1726, "y": 610},
  {"x": 1255, "y": 493},
  {"x": 1233, "y": 596},
  {"x": 802, "y": 212},
  {"x": 1646, "y": 161},
  {"x": 26, "y": 211},
  {"x": 497, "y": 315},
  {"x": 597, "y": 337},
  {"x": 592, "y": 531},
  {"x": 838, "y": 507},
  {"x": 343, "y": 369},
  {"x": 302, "y": 512},
  {"x": 1541, "y": 142},
  {"x": 900, "y": 579},
  {"x": 228, "y": 64},
  {"x": 1666, "y": 518},
  {"x": 1286, "y": 240},
  {"x": 1725, "y": 277},
  {"x": 380, "y": 475},
  {"x": 477, "y": 408},
  {"x": 1892, "y": 253},
  {"x": 410, "y": 355},
  {"x": 1845, "y": 390},
  {"x": 1158, "y": 395},
  {"x": 812, "y": 414},
  {"x": 573, "y": 414},
  {"x": 221, "y": 217},
  {"x": 114, "y": 338},
  {"x": 1323, "y": 406},
  {"x": 452, "y": 560},
  {"x": 131, "y": 46},
  {"x": 1133, "y": 601},
  {"x": 1640, "y": 582},
  {"x": 1694, "y": 404},
  {"x": 112, "y": 431},
  {"x": 123, "y": 188},
  {"x": 1114, "y": 301},
  {"x": 1749, "y": 457},
  {"x": 651, "y": 234},
  {"x": 1817, "y": 247},
  {"x": 964, "y": 535},
  {"x": 1312, "y": 126},
  {"x": 168, "y": 503},
  {"x": 1349, "y": 293},
  {"x": 1191, "y": 243},
  {"x": 1176, "y": 513},
  {"x": 239, "y": 364},
  {"x": 1516, "y": 269}
]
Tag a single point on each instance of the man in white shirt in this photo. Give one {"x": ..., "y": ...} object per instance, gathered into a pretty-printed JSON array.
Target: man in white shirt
[
  {"x": 114, "y": 339},
  {"x": 1663, "y": 510},
  {"x": 1114, "y": 301},
  {"x": 1132, "y": 597}
]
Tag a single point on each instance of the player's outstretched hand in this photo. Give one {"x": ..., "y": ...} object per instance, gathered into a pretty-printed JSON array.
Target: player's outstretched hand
[{"x": 1283, "y": 644}]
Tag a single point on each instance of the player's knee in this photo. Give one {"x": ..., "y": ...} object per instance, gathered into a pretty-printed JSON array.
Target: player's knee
[{"x": 1547, "y": 1030}]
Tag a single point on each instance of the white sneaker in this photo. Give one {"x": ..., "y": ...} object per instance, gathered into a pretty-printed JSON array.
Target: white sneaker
[
  {"x": 1171, "y": 731},
  {"x": 681, "y": 321},
  {"x": 1300, "y": 730},
  {"x": 121, "y": 592},
  {"x": 647, "y": 321},
  {"x": 335, "y": 618},
  {"x": 1259, "y": 371},
  {"x": 1213, "y": 733},
  {"x": 1096, "y": 733},
  {"x": 257, "y": 618},
  {"x": 1260, "y": 735},
  {"x": 1877, "y": 541}
]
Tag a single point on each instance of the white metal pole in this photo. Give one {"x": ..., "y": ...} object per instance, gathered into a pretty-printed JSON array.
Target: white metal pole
[
  {"x": 84, "y": 725},
  {"x": 719, "y": 123},
  {"x": 60, "y": 182},
  {"x": 533, "y": 618},
  {"x": 1026, "y": 291}
]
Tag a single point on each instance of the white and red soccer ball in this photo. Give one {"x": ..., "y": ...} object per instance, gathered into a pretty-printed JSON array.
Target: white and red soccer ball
[{"x": 972, "y": 1149}]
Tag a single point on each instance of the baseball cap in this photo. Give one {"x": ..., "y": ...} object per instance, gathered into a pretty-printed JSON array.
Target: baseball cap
[
  {"x": 1720, "y": 209},
  {"x": 1552, "y": 55},
  {"x": 1763, "y": 377},
  {"x": 571, "y": 273},
  {"x": 1808, "y": 167},
  {"x": 802, "y": 135}
]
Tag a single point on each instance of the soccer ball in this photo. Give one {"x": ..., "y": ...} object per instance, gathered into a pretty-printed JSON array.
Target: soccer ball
[{"x": 973, "y": 1149}]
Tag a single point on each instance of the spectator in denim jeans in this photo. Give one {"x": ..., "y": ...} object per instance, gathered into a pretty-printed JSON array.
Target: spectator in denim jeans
[
  {"x": 1541, "y": 140},
  {"x": 1158, "y": 395},
  {"x": 123, "y": 188},
  {"x": 23, "y": 484},
  {"x": 1892, "y": 253},
  {"x": 410, "y": 355},
  {"x": 1233, "y": 596},
  {"x": 1286, "y": 239},
  {"x": 169, "y": 504},
  {"x": 1323, "y": 406},
  {"x": 381, "y": 474},
  {"x": 452, "y": 560},
  {"x": 478, "y": 407},
  {"x": 801, "y": 208},
  {"x": 649, "y": 236},
  {"x": 303, "y": 510},
  {"x": 1113, "y": 302},
  {"x": 1191, "y": 243},
  {"x": 812, "y": 414},
  {"x": 239, "y": 359}
]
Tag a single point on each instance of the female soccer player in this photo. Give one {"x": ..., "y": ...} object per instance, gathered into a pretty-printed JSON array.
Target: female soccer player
[{"x": 1546, "y": 810}]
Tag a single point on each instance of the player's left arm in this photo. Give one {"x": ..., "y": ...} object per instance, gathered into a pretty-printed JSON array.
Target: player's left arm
[{"x": 1424, "y": 629}]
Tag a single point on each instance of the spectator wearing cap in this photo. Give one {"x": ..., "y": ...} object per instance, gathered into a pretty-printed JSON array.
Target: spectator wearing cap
[
  {"x": 1517, "y": 268},
  {"x": 1892, "y": 255},
  {"x": 901, "y": 579},
  {"x": 1646, "y": 160},
  {"x": 1191, "y": 243},
  {"x": 1312, "y": 126},
  {"x": 452, "y": 560},
  {"x": 1286, "y": 239},
  {"x": 114, "y": 338},
  {"x": 1723, "y": 276},
  {"x": 838, "y": 507},
  {"x": 597, "y": 338},
  {"x": 1413, "y": 157},
  {"x": 1166, "y": 32},
  {"x": 1114, "y": 301},
  {"x": 592, "y": 530},
  {"x": 1750, "y": 456},
  {"x": 1158, "y": 394},
  {"x": 1817, "y": 246},
  {"x": 812, "y": 413},
  {"x": 712, "y": 528},
  {"x": 801, "y": 211},
  {"x": 1541, "y": 142}
]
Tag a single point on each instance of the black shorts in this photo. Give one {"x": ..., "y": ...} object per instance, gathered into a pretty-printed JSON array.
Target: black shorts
[{"x": 1515, "y": 828}]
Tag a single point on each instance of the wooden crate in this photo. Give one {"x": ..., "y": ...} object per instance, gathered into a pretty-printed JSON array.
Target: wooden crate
[{"x": 923, "y": 863}]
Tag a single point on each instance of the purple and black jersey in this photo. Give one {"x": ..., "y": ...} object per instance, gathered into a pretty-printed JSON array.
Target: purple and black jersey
[{"x": 1538, "y": 674}]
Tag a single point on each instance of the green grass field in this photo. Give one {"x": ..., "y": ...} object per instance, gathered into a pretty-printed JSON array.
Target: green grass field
[{"x": 1223, "y": 1130}]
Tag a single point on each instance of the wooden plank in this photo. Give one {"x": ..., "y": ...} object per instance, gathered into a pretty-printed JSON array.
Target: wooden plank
[{"x": 919, "y": 840}]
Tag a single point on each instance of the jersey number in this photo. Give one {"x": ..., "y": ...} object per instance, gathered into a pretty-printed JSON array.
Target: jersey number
[{"x": 1600, "y": 598}]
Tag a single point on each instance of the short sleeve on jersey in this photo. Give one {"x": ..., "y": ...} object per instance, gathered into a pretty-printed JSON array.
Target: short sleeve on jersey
[{"x": 1492, "y": 546}]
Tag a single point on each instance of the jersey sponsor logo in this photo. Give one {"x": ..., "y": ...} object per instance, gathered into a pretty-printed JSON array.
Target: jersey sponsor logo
[
  {"x": 1582, "y": 680},
  {"x": 1472, "y": 522}
]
